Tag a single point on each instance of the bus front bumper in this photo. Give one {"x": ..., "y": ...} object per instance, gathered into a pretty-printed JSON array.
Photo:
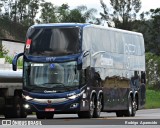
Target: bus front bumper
[{"x": 53, "y": 105}]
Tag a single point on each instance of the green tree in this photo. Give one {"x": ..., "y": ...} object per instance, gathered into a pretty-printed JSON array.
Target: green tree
[
  {"x": 87, "y": 14},
  {"x": 155, "y": 30},
  {"x": 124, "y": 12},
  {"x": 80, "y": 14},
  {"x": 63, "y": 12},
  {"x": 153, "y": 70},
  {"x": 7, "y": 6},
  {"x": 3, "y": 51},
  {"x": 74, "y": 16},
  {"x": 33, "y": 8},
  {"x": 19, "y": 10},
  {"x": 48, "y": 13}
]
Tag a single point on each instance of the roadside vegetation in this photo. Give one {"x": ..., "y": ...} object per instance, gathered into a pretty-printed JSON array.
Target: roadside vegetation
[
  {"x": 8, "y": 59},
  {"x": 152, "y": 99},
  {"x": 153, "y": 81}
]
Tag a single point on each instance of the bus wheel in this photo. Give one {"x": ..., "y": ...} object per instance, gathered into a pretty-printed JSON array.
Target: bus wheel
[
  {"x": 92, "y": 107},
  {"x": 131, "y": 108},
  {"x": 98, "y": 107},
  {"x": 40, "y": 115},
  {"x": 88, "y": 114},
  {"x": 134, "y": 103}
]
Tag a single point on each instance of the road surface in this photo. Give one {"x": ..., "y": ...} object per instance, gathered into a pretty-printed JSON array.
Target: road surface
[{"x": 143, "y": 117}]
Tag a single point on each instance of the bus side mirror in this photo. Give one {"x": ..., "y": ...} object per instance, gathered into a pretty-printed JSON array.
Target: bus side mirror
[
  {"x": 14, "y": 61},
  {"x": 80, "y": 59}
]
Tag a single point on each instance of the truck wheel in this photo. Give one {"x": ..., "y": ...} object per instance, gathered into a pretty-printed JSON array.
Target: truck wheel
[
  {"x": 98, "y": 107},
  {"x": 40, "y": 115},
  {"x": 18, "y": 111},
  {"x": 13, "y": 110},
  {"x": 23, "y": 113},
  {"x": 88, "y": 114},
  {"x": 8, "y": 113}
]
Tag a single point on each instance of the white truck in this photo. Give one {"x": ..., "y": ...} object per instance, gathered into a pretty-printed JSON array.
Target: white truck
[{"x": 11, "y": 101}]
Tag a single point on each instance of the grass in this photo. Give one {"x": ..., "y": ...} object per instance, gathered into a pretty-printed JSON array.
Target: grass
[
  {"x": 19, "y": 62},
  {"x": 152, "y": 99}
]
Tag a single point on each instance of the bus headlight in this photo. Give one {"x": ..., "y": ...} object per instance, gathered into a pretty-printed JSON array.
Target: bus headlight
[
  {"x": 27, "y": 97},
  {"x": 72, "y": 97}
]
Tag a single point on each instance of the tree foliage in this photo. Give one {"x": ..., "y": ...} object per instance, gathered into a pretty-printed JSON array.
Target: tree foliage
[
  {"x": 123, "y": 13},
  {"x": 48, "y": 13},
  {"x": 153, "y": 70},
  {"x": 155, "y": 30}
]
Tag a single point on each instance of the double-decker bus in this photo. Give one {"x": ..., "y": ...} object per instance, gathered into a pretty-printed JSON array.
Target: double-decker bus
[{"x": 84, "y": 69}]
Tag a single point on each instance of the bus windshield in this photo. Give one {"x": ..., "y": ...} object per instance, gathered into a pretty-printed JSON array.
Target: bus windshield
[
  {"x": 57, "y": 76},
  {"x": 55, "y": 41}
]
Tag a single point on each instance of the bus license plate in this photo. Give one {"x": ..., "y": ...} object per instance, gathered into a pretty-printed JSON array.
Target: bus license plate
[{"x": 49, "y": 109}]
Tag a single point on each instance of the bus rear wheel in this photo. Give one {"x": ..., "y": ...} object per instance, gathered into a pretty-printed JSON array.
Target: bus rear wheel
[
  {"x": 131, "y": 108},
  {"x": 98, "y": 107}
]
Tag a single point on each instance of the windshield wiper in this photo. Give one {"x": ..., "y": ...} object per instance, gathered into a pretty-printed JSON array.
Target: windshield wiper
[{"x": 57, "y": 85}]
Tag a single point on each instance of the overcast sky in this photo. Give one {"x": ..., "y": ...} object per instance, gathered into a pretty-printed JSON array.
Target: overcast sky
[{"x": 146, "y": 4}]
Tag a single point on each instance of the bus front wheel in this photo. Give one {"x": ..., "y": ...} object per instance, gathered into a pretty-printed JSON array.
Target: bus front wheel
[{"x": 90, "y": 112}]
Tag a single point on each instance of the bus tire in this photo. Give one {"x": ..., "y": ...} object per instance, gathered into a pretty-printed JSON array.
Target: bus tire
[
  {"x": 98, "y": 107},
  {"x": 88, "y": 114},
  {"x": 134, "y": 103},
  {"x": 131, "y": 108}
]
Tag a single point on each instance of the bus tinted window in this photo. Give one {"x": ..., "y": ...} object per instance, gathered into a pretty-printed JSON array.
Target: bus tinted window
[{"x": 54, "y": 41}]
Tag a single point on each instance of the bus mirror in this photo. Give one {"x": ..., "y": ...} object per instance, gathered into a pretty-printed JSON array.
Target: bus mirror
[
  {"x": 85, "y": 53},
  {"x": 14, "y": 62},
  {"x": 81, "y": 58}
]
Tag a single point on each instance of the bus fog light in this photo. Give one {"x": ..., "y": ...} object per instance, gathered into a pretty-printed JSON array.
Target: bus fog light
[
  {"x": 26, "y": 106},
  {"x": 75, "y": 105}
]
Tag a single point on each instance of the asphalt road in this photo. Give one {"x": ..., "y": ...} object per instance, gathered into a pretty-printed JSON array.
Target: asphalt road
[{"x": 149, "y": 117}]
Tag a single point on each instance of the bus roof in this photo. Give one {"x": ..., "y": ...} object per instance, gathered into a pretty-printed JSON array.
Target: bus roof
[
  {"x": 85, "y": 25},
  {"x": 61, "y": 24}
]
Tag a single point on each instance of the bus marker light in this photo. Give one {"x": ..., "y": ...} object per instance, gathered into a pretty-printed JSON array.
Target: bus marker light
[
  {"x": 28, "y": 43},
  {"x": 74, "y": 105}
]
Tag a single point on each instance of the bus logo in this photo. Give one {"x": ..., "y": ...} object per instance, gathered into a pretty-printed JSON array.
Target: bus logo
[
  {"x": 49, "y": 101},
  {"x": 50, "y": 59},
  {"x": 52, "y": 66}
]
